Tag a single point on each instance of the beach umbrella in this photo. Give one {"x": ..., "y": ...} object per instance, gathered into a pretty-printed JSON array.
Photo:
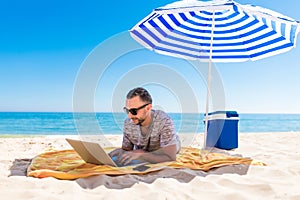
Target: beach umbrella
[{"x": 216, "y": 31}]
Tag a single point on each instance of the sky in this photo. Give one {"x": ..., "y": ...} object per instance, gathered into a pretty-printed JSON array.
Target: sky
[{"x": 47, "y": 47}]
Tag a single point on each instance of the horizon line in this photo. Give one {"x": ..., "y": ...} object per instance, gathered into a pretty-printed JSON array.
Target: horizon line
[{"x": 278, "y": 113}]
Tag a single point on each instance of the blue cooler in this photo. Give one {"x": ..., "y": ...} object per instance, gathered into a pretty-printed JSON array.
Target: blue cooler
[{"x": 222, "y": 130}]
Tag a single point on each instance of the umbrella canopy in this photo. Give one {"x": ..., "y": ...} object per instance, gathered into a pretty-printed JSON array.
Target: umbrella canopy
[
  {"x": 223, "y": 29},
  {"x": 216, "y": 31}
]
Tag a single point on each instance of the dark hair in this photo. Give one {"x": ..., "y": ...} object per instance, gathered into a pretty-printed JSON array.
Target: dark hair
[{"x": 141, "y": 92}]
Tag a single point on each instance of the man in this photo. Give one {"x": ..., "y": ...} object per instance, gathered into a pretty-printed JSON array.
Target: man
[{"x": 148, "y": 134}]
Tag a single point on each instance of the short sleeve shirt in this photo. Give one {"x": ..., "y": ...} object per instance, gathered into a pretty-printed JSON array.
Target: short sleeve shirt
[{"x": 161, "y": 133}]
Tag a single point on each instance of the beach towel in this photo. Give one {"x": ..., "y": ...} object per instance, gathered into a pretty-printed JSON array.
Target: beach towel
[{"x": 67, "y": 164}]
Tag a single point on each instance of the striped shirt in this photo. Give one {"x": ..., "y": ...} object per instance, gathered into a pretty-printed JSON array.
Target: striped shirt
[{"x": 161, "y": 133}]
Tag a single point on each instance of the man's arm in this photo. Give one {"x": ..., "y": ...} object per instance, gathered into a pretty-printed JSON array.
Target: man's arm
[
  {"x": 164, "y": 154},
  {"x": 119, "y": 151}
]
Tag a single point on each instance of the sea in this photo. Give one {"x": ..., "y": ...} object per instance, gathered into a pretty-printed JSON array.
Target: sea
[{"x": 68, "y": 123}]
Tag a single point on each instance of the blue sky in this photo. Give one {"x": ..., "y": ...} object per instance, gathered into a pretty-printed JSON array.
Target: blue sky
[{"x": 43, "y": 46}]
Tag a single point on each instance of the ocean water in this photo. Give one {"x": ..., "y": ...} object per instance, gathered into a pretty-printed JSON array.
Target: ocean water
[{"x": 51, "y": 123}]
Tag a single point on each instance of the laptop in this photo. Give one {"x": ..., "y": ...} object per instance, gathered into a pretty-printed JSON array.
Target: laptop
[{"x": 92, "y": 152}]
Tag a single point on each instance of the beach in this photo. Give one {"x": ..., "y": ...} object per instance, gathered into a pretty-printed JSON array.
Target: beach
[{"x": 280, "y": 179}]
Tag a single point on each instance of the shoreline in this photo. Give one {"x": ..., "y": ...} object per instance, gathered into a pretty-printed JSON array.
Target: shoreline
[{"x": 118, "y": 134}]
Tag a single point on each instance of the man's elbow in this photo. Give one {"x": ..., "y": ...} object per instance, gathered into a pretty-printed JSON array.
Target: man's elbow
[{"x": 173, "y": 158}]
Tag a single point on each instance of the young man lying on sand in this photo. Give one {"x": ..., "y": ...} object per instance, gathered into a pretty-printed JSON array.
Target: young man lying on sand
[{"x": 148, "y": 134}]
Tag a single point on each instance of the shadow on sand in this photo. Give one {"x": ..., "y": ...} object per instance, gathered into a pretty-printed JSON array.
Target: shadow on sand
[
  {"x": 19, "y": 168},
  {"x": 181, "y": 175}
]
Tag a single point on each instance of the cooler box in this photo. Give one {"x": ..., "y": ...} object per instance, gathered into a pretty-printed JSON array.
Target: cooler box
[{"x": 222, "y": 130}]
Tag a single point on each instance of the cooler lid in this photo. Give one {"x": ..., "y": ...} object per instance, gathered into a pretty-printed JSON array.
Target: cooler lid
[
  {"x": 227, "y": 113},
  {"x": 231, "y": 115}
]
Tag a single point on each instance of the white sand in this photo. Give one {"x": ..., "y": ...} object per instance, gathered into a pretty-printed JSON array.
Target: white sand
[{"x": 279, "y": 180}]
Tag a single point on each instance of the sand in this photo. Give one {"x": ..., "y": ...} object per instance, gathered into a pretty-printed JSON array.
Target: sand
[{"x": 280, "y": 179}]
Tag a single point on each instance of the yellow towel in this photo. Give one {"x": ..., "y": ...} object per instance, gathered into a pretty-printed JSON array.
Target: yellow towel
[{"x": 67, "y": 164}]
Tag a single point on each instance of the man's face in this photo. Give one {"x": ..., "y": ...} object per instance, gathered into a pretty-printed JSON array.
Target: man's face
[{"x": 142, "y": 113}]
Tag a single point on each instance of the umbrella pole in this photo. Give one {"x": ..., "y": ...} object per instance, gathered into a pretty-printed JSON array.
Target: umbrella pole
[
  {"x": 207, "y": 104},
  {"x": 209, "y": 80}
]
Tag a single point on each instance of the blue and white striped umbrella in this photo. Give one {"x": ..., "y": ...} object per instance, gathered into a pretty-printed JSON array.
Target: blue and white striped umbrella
[
  {"x": 222, "y": 30},
  {"x": 216, "y": 31}
]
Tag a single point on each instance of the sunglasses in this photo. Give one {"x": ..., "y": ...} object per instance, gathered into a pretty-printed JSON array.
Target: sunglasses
[{"x": 134, "y": 111}]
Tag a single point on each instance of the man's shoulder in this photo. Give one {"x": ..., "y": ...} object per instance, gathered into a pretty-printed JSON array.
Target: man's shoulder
[
  {"x": 159, "y": 114},
  {"x": 129, "y": 125}
]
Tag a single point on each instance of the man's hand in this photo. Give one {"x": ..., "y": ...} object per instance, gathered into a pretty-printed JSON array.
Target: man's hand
[
  {"x": 116, "y": 152},
  {"x": 127, "y": 156}
]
